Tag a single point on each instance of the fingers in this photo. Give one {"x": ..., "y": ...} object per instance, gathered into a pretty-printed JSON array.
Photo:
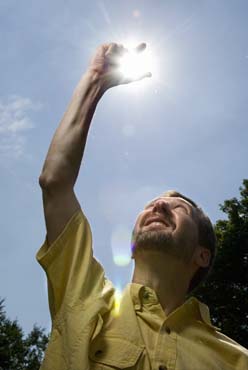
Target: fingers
[
  {"x": 110, "y": 62},
  {"x": 114, "y": 53},
  {"x": 140, "y": 47},
  {"x": 119, "y": 50},
  {"x": 116, "y": 49}
]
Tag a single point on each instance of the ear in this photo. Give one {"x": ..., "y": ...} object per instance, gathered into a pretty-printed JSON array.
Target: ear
[{"x": 202, "y": 256}]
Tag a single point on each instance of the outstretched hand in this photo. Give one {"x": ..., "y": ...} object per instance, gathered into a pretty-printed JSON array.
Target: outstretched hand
[{"x": 106, "y": 64}]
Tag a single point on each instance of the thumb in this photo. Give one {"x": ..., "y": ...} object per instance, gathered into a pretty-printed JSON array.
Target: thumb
[
  {"x": 143, "y": 75},
  {"x": 126, "y": 80}
]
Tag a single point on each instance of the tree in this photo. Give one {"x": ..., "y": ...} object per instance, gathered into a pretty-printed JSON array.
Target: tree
[
  {"x": 226, "y": 289},
  {"x": 16, "y": 351}
]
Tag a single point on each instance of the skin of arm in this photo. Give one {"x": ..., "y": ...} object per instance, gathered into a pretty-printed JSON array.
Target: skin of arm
[
  {"x": 66, "y": 150},
  {"x": 65, "y": 153}
]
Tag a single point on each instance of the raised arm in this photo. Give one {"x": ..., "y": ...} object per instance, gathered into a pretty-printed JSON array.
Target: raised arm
[{"x": 65, "y": 153}]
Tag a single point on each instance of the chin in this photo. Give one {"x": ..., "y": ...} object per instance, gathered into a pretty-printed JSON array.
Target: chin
[{"x": 152, "y": 240}]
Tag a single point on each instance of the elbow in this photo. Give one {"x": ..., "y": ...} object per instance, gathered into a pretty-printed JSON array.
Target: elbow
[
  {"x": 43, "y": 181},
  {"x": 50, "y": 183},
  {"x": 47, "y": 182}
]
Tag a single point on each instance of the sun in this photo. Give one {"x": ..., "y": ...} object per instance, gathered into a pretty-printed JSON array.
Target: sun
[{"x": 134, "y": 64}]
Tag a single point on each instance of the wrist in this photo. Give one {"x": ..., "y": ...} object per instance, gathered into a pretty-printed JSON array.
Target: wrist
[{"x": 97, "y": 80}]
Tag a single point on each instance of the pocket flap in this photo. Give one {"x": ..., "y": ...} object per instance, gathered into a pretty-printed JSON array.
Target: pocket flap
[{"x": 116, "y": 352}]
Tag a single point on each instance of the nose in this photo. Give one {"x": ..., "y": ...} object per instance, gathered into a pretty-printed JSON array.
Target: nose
[{"x": 161, "y": 206}]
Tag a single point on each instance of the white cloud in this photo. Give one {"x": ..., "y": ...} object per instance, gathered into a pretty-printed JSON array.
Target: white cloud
[{"x": 14, "y": 121}]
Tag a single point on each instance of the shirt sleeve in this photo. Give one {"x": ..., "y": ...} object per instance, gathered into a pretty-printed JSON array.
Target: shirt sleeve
[{"x": 72, "y": 272}]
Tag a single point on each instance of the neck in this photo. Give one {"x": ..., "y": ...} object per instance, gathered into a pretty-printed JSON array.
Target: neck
[{"x": 166, "y": 275}]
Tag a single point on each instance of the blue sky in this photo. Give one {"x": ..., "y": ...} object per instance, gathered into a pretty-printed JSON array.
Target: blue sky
[{"x": 184, "y": 129}]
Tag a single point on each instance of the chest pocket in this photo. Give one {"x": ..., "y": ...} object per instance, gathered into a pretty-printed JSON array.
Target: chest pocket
[{"x": 114, "y": 353}]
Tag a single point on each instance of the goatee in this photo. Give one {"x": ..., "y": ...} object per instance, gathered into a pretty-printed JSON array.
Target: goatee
[{"x": 152, "y": 240}]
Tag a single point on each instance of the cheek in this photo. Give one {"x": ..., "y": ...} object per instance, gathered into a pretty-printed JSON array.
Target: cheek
[
  {"x": 187, "y": 231},
  {"x": 138, "y": 220}
]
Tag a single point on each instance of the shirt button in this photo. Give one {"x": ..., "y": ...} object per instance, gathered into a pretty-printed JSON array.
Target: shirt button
[
  {"x": 167, "y": 329},
  {"x": 98, "y": 353},
  {"x": 162, "y": 367},
  {"x": 146, "y": 295}
]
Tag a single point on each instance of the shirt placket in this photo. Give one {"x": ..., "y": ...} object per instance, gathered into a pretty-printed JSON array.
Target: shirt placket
[
  {"x": 165, "y": 349},
  {"x": 164, "y": 355}
]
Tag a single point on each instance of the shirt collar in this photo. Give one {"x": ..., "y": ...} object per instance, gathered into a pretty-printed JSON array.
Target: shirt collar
[{"x": 141, "y": 294}]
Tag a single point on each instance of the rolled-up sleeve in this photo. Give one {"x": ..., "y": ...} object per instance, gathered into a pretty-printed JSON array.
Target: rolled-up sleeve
[{"x": 73, "y": 273}]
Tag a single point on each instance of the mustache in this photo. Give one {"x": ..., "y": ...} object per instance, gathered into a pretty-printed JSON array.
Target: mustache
[{"x": 165, "y": 218}]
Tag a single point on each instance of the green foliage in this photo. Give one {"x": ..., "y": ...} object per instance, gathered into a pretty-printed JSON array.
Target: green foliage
[
  {"x": 16, "y": 351},
  {"x": 226, "y": 289}
]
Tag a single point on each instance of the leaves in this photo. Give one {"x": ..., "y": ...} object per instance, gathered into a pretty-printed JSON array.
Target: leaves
[
  {"x": 17, "y": 352},
  {"x": 226, "y": 291}
]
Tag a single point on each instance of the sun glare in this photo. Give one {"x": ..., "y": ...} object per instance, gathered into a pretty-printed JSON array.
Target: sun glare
[
  {"x": 117, "y": 302},
  {"x": 134, "y": 64}
]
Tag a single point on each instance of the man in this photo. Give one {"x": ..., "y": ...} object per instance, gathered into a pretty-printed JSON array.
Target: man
[{"x": 173, "y": 246}]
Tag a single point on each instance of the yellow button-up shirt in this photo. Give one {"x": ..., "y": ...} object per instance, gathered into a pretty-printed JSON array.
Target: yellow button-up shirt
[{"x": 89, "y": 331}]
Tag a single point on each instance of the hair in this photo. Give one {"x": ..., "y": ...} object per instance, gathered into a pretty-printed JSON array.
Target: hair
[{"x": 206, "y": 239}]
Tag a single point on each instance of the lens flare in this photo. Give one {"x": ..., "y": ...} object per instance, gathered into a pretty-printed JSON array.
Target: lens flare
[{"x": 120, "y": 240}]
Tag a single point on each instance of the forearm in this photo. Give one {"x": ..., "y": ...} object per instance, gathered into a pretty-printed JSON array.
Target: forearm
[{"x": 66, "y": 151}]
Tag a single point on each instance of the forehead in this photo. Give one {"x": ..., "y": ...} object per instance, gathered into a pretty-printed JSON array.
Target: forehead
[{"x": 173, "y": 200}]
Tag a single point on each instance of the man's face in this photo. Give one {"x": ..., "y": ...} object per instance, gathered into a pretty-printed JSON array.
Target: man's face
[{"x": 169, "y": 225}]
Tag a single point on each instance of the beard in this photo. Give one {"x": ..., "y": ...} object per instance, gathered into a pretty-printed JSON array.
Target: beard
[
  {"x": 152, "y": 240},
  {"x": 160, "y": 241}
]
